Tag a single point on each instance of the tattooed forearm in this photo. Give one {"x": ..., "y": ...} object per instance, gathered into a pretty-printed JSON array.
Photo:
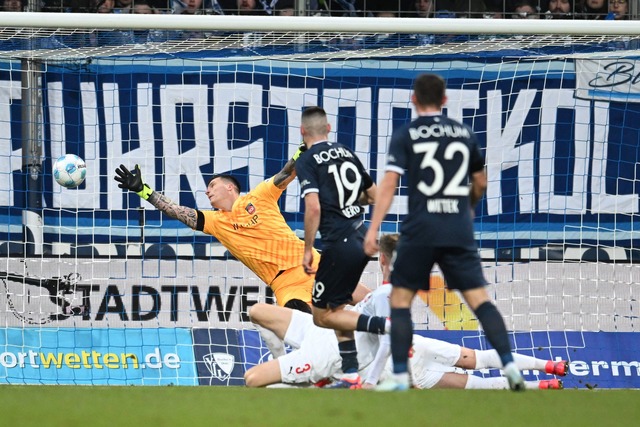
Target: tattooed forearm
[
  {"x": 286, "y": 175},
  {"x": 183, "y": 214}
]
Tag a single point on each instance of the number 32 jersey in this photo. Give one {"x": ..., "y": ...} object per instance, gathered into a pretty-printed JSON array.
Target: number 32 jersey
[
  {"x": 337, "y": 175},
  {"x": 439, "y": 155}
]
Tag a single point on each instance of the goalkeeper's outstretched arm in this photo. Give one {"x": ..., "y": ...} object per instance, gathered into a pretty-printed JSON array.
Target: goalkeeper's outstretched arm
[
  {"x": 288, "y": 172},
  {"x": 132, "y": 181}
]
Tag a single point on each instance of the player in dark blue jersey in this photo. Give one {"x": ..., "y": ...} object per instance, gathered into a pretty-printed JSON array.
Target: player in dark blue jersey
[
  {"x": 335, "y": 186},
  {"x": 445, "y": 180}
]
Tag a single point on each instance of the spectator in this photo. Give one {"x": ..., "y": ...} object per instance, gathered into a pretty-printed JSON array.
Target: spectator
[
  {"x": 494, "y": 12},
  {"x": 344, "y": 7},
  {"x": 525, "y": 9},
  {"x": 560, "y": 9},
  {"x": 285, "y": 8},
  {"x": 123, "y": 6},
  {"x": 187, "y": 7},
  {"x": 463, "y": 8},
  {"x": 104, "y": 6},
  {"x": 498, "y": 5},
  {"x": 618, "y": 10},
  {"x": 595, "y": 9},
  {"x": 12, "y": 6},
  {"x": 144, "y": 7},
  {"x": 196, "y": 7},
  {"x": 247, "y": 7},
  {"x": 383, "y": 8},
  {"x": 424, "y": 8}
]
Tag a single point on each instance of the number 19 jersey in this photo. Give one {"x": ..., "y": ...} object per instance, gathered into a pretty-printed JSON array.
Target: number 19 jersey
[{"x": 337, "y": 175}]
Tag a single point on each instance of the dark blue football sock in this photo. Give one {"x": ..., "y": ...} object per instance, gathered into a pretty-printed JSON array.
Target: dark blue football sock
[
  {"x": 349, "y": 356},
  {"x": 495, "y": 330},
  {"x": 373, "y": 324},
  {"x": 401, "y": 338}
]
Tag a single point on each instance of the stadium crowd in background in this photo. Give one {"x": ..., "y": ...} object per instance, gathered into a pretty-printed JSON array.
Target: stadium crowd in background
[{"x": 491, "y": 9}]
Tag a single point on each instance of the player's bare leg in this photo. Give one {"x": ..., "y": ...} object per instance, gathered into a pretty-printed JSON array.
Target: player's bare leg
[
  {"x": 276, "y": 319},
  {"x": 496, "y": 332},
  {"x": 263, "y": 374},
  {"x": 452, "y": 380},
  {"x": 343, "y": 322},
  {"x": 361, "y": 291},
  {"x": 338, "y": 318},
  {"x": 272, "y": 322},
  {"x": 401, "y": 339}
]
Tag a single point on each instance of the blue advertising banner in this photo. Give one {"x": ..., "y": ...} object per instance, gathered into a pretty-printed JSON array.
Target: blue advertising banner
[
  {"x": 255, "y": 350},
  {"x": 597, "y": 359},
  {"x": 561, "y": 168},
  {"x": 219, "y": 358},
  {"x": 96, "y": 356}
]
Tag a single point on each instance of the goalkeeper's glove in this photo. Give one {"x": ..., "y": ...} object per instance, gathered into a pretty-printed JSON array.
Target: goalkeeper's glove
[
  {"x": 301, "y": 149},
  {"x": 132, "y": 181}
]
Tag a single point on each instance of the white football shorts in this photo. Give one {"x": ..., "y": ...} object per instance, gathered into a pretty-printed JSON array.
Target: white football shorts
[
  {"x": 316, "y": 355},
  {"x": 431, "y": 359}
]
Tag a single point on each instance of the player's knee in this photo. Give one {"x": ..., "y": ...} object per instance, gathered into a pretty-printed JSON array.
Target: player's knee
[
  {"x": 319, "y": 319},
  {"x": 297, "y": 304},
  {"x": 255, "y": 312}
]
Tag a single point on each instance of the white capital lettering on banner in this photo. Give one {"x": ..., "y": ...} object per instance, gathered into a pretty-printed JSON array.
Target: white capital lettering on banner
[
  {"x": 597, "y": 185},
  {"x": 292, "y": 100},
  {"x": 601, "y": 201},
  {"x": 185, "y": 162},
  {"x": 86, "y": 197},
  {"x": 12, "y": 159},
  {"x": 548, "y": 200},
  {"x": 225, "y": 158},
  {"x": 459, "y": 100},
  {"x": 359, "y": 98},
  {"x": 388, "y": 100},
  {"x": 143, "y": 156},
  {"x": 502, "y": 152}
]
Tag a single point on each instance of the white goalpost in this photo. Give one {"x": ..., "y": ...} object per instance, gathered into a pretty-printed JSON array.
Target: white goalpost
[{"x": 100, "y": 288}]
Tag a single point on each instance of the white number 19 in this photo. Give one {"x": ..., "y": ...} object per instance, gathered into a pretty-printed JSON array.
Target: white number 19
[{"x": 343, "y": 183}]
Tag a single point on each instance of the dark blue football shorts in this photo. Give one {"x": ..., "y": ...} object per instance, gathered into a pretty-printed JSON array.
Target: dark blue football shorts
[
  {"x": 412, "y": 264},
  {"x": 341, "y": 265}
]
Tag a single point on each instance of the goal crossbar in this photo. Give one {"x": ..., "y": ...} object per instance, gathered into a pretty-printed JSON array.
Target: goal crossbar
[{"x": 92, "y": 21}]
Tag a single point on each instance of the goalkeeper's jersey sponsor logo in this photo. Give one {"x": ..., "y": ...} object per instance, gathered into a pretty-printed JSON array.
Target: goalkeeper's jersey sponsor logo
[{"x": 253, "y": 221}]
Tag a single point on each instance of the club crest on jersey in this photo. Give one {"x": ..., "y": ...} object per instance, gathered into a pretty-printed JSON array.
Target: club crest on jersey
[
  {"x": 250, "y": 209},
  {"x": 220, "y": 365}
]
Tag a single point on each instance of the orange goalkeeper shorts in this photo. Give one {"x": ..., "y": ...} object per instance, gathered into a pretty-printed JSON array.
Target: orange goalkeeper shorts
[{"x": 294, "y": 283}]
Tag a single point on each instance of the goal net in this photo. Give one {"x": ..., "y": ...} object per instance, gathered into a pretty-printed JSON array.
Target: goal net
[{"x": 99, "y": 288}]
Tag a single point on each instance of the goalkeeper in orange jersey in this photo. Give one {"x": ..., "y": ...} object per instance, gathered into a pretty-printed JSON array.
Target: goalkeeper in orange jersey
[{"x": 250, "y": 226}]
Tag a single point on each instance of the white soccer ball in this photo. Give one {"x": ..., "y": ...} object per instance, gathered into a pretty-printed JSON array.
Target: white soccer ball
[{"x": 69, "y": 170}]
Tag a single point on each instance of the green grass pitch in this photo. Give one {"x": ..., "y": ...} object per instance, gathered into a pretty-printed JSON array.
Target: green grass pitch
[{"x": 95, "y": 406}]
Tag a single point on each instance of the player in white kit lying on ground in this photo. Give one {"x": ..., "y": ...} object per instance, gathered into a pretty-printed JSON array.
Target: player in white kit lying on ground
[{"x": 433, "y": 362}]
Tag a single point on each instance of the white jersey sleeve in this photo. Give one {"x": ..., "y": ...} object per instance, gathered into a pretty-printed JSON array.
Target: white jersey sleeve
[
  {"x": 376, "y": 303},
  {"x": 378, "y": 347}
]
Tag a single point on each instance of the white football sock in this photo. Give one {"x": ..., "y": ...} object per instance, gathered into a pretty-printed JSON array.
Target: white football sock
[
  {"x": 495, "y": 383},
  {"x": 486, "y": 359},
  {"x": 274, "y": 344}
]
